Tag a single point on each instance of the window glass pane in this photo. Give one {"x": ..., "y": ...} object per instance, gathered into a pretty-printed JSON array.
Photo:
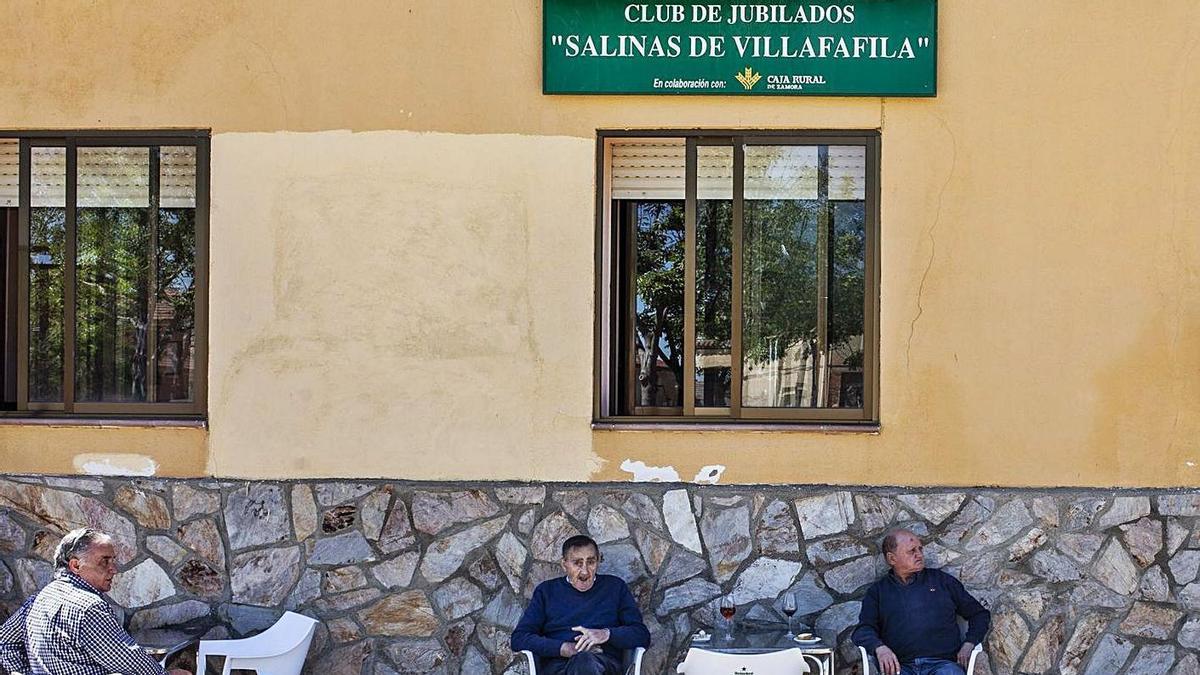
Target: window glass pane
[
  {"x": 847, "y": 281},
  {"x": 714, "y": 274},
  {"x": 658, "y": 323},
  {"x": 175, "y": 292},
  {"x": 801, "y": 244},
  {"x": 113, "y": 274},
  {"x": 780, "y": 256},
  {"x": 47, "y": 249},
  {"x": 847, "y": 275}
]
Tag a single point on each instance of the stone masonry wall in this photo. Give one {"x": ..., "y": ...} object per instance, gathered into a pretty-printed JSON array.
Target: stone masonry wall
[{"x": 415, "y": 577}]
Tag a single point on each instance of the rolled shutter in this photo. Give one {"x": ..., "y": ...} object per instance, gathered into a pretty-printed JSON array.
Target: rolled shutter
[
  {"x": 847, "y": 172},
  {"x": 108, "y": 177},
  {"x": 9, "y": 172},
  {"x": 648, "y": 169},
  {"x": 655, "y": 170}
]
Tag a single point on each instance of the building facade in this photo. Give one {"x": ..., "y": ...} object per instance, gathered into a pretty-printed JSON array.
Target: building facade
[{"x": 357, "y": 328}]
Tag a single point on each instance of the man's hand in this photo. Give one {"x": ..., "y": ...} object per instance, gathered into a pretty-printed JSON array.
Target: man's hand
[
  {"x": 964, "y": 654},
  {"x": 567, "y": 650},
  {"x": 590, "y": 637},
  {"x": 888, "y": 663}
]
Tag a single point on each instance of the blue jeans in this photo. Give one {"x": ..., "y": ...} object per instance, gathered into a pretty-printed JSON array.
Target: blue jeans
[
  {"x": 583, "y": 663},
  {"x": 931, "y": 666}
]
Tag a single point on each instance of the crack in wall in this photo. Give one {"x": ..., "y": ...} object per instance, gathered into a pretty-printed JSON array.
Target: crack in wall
[{"x": 912, "y": 326}]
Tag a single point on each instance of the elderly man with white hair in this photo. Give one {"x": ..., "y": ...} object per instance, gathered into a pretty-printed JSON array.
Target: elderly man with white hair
[{"x": 68, "y": 628}]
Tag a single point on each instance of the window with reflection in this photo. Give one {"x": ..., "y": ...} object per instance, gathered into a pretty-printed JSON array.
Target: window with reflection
[
  {"x": 743, "y": 281},
  {"x": 104, "y": 244},
  {"x": 47, "y": 250}
]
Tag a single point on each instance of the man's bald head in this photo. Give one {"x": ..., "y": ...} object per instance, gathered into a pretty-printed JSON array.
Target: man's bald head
[
  {"x": 903, "y": 552},
  {"x": 892, "y": 538}
]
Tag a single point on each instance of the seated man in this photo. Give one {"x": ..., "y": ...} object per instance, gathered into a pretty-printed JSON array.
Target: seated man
[
  {"x": 68, "y": 628},
  {"x": 581, "y": 623},
  {"x": 908, "y": 616}
]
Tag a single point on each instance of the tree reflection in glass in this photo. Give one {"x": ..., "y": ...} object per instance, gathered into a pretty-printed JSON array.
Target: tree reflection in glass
[
  {"x": 847, "y": 279},
  {"x": 714, "y": 274},
  {"x": 47, "y": 234},
  {"x": 796, "y": 352},
  {"x": 47, "y": 249},
  {"x": 112, "y": 275},
  {"x": 780, "y": 303},
  {"x": 658, "y": 329},
  {"x": 175, "y": 289}
]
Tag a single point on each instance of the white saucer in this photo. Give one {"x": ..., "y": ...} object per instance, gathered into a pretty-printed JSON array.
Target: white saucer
[{"x": 810, "y": 641}]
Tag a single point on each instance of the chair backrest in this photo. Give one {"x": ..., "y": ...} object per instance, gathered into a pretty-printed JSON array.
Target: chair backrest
[
  {"x": 703, "y": 662},
  {"x": 291, "y": 621},
  {"x": 289, "y": 632}
]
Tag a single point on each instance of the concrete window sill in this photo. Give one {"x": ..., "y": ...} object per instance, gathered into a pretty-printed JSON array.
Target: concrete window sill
[
  {"x": 782, "y": 427},
  {"x": 158, "y": 422}
]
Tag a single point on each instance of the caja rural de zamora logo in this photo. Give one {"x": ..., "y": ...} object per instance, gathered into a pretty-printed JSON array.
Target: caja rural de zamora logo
[{"x": 748, "y": 78}]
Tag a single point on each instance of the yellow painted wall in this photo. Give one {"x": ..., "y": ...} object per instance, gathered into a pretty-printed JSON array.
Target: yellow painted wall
[
  {"x": 98, "y": 449},
  {"x": 403, "y": 231}
]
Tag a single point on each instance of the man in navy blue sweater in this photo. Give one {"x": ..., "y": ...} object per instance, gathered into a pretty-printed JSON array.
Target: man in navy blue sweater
[
  {"x": 581, "y": 623},
  {"x": 908, "y": 616}
]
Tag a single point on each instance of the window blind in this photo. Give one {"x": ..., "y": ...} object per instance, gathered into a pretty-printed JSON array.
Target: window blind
[
  {"x": 107, "y": 177},
  {"x": 9, "y": 175},
  {"x": 655, "y": 170},
  {"x": 648, "y": 170}
]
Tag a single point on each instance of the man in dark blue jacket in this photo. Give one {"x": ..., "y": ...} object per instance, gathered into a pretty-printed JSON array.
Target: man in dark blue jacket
[
  {"x": 581, "y": 623},
  {"x": 908, "y": 619}
]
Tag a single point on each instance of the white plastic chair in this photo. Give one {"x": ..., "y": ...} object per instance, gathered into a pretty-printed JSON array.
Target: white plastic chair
[
  {"x": 866, "y": 661},
  {"x": 279, "y": 650},
  {"x": 633, "y": 660},
  {"x": 704, "y": 662}
]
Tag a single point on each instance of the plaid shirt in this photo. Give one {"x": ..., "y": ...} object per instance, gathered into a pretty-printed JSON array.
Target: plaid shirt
[{"x": 69, "y": 629}]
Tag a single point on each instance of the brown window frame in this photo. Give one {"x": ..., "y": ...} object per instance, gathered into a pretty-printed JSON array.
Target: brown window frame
[
  {"x": 71, "y": 141},
  {"x": 610, "y": 374}
]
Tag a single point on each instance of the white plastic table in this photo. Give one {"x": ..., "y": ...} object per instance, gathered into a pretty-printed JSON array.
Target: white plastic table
[{"x": 760, "y": 641}]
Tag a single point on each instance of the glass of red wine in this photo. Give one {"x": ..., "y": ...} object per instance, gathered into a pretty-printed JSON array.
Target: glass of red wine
[
  {"x": 728, "y": 609},
  {"x": 789, "y": 608}
]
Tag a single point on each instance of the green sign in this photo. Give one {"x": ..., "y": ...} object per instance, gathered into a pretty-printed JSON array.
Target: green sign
[{"x": 865, "y": 48}]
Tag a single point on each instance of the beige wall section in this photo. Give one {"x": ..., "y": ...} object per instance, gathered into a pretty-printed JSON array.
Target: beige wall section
[
  {"x": 401, "y": 304},
  {"x": 415, "y": 301}
]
